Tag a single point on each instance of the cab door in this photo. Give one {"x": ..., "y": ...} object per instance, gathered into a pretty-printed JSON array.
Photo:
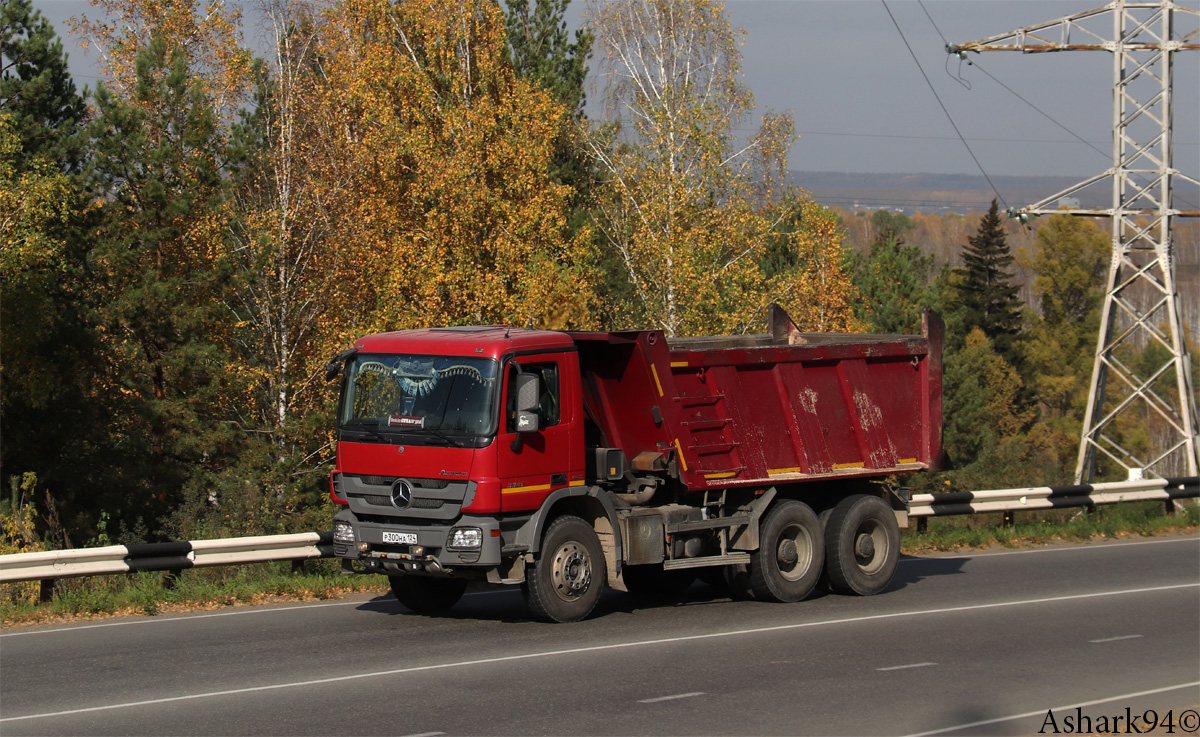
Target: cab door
[{"x": 534, "y": 464}]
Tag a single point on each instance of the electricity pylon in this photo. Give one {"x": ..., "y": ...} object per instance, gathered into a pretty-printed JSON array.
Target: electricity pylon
[{"x": 1141, "y": 303}]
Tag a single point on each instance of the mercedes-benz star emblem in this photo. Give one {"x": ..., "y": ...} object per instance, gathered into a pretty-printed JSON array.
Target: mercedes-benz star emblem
[{"x": 402, "y": 492}]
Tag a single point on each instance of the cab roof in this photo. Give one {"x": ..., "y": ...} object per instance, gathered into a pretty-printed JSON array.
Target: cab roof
[{"x": 490, "y": 341}]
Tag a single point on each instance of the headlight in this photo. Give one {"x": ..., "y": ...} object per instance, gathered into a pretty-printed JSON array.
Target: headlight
[
  {"x": 465, "y": 538},
  {"x": 343, "y": 532}
]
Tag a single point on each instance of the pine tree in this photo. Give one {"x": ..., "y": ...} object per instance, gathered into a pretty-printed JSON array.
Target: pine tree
[
  {"x": 540, "y": 50},
  {"x": 36, "y": 89},
  {"x": 987, "y": 297},
  {"x": 894, "y": 283},
  {"x": 157, "y": 165},
  {"x": 47, "y": 343}
]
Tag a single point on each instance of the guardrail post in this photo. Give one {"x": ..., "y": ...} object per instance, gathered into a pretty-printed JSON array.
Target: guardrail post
[
  {"x": 1008, "y": 518},
  {"x": 297, "y": 566},
  {"x": 46, "y": 590},
  {"x": 171, "y": 580},
  {"x": 922, "y": 525}
]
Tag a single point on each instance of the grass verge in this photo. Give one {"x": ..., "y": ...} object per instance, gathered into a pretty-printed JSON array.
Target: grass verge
[
  {"x": 1130, "y": 519},
  {"x": 150, "y": 593}
]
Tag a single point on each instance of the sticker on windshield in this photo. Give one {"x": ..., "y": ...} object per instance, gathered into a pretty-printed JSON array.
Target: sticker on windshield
[{"x": 405, "y": 421}]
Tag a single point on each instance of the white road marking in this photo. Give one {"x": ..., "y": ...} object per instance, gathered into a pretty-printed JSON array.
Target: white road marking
[
  {"x": 1042, "y": 712},
  {"x": 1115, "y": 639},
  {"x": 507, "y": 590},
  {"x": 595, "y": 649},
  {"x": 425, "y": 734},
  {"x": 905, "y": 667},
  {"x": 671, "y": 698},
  {"x": 1083, "y": 546}
]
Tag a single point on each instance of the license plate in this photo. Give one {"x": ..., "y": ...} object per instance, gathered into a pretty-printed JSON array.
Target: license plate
[{"x": 400, "y": 538}]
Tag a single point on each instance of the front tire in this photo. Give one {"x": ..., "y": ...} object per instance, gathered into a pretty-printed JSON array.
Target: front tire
[
  {"x": 862, "y": 545},
  {"x": 569, "y": 573},
  {"x": 789, "y": 558},
  {"x": 427, "y": 595}
]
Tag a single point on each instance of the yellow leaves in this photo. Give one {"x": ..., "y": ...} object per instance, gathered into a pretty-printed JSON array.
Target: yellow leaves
[
  {"x": 29, "y": 202},
  {"x": 209, "y": 33},
  {"x": 446, "y": 206}
]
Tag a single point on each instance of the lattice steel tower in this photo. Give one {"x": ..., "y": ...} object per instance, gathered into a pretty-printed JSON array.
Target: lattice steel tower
[{"x": 1142, "y": 303}]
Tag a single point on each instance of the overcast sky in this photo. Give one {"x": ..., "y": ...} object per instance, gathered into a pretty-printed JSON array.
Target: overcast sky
[{"x": 861, "y": 103}]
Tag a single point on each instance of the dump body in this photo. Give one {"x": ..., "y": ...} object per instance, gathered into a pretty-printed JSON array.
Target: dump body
[{"x": 754, "y": 410}]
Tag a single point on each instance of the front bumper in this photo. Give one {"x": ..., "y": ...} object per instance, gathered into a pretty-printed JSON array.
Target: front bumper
[{"x": 429, "y": 553}]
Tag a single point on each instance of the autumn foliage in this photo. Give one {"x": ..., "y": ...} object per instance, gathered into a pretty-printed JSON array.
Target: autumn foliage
[{"x": 178, "y": 268}]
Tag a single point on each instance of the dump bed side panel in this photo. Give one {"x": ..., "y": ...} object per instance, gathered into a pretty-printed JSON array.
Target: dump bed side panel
[
  {"x": 623, "y": 393},
  {"x": 749, "y": 412}
]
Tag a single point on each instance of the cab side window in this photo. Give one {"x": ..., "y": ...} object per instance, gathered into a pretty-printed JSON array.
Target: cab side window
[{"x": 548, "y": 406}]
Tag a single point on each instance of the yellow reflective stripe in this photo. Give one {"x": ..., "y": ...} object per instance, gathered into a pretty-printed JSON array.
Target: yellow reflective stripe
[
  {"x": 781, "y": 471},
  {"x": 519, "y": 489},
  {"x": 839, "y": 466},
  {"x": 679, "y": 448},
  {"x": 657, "y": 383},
  {"x": 907, "y": 460},
  {"x": 726, "y": 475},
  {"x": 539, "y": 487},
  {"x": 679, "y": 364}
]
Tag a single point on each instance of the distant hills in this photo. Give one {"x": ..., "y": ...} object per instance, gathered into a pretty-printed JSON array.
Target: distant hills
[{"x": 937, "y": 193}]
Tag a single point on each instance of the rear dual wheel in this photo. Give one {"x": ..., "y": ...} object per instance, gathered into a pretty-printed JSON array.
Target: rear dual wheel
[
  {"x": 788, "y": 561},
  {"x": 862, "y": 545}
]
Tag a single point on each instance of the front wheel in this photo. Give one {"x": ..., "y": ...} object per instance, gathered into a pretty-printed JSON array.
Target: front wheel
[
  {"x": 862, "y": 545},
  {"x": 788, "y": 561},
  {"x": 427, "y": 595},
  {"x": 569, "y": 573}
]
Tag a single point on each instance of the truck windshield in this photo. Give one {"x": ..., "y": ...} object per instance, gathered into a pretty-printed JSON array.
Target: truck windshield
[{"x": 419, "y": 395}]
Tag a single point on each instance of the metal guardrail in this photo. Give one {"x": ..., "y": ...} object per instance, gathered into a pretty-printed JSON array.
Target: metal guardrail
[
  {"x": 170, "y": 556},
  {"x": 1052, "y": 497},
  {"x": 175, "y": 556}
]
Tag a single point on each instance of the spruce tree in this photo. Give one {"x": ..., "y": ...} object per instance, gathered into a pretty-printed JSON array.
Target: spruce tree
[{"x": 987, "y": 298}]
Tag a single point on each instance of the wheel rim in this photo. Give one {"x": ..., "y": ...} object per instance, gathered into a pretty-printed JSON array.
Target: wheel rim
[
  {"x": 571, "y": 573},
  {"x": 870, "y": 546},
  {"x": 793, "y": 553}
]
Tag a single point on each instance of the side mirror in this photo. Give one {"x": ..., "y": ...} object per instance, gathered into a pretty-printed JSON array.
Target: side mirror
[
  {"x": 529, "y": 391},
  {"x": 334, "y": 368}
]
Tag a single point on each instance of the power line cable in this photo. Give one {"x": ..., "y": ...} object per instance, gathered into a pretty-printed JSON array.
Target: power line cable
[
  {"x": 1013, "y": 92},
  {"x": 943, "y": 106}
]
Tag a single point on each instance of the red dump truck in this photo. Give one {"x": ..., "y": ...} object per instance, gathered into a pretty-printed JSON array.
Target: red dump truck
[{"x": 567, "y": 462}]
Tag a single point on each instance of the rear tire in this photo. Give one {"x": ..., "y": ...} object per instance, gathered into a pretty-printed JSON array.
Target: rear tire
[
  {"x": 788, "y": 561},
  {"x": 862, "y": 545},
  {"x": 427, "y": 595},
  {"x": 569, "y": 573}
]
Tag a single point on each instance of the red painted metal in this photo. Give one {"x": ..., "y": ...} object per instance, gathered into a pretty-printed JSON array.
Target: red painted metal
[{"x": 754, "y": 411}]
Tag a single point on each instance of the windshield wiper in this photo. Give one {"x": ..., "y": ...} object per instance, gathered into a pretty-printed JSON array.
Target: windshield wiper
[{"x": 367, "y": 429}]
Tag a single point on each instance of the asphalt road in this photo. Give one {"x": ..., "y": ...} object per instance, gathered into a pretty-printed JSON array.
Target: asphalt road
[{"x": 1008, "y": 642}]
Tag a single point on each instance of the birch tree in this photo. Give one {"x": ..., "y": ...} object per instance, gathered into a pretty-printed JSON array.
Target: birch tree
[{"x": 687, "y": 206}]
